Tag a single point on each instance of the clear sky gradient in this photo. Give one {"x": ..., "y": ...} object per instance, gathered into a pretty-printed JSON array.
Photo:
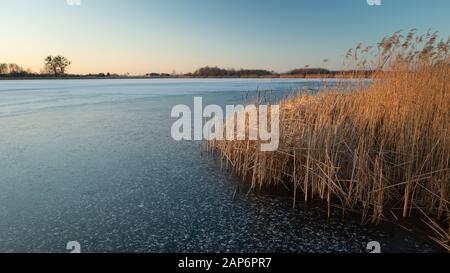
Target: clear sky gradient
[{"x": 141, "y": 36}]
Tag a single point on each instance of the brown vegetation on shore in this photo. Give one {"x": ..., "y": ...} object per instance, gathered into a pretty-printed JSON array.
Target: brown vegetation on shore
[{"x": 382, "y": 150}]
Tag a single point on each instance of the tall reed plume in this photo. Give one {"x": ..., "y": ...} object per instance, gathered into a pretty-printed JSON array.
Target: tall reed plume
[{"x": 381, "y": 149}]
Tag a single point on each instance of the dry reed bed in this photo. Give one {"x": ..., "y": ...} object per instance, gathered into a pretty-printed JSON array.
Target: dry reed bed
[{"x": 382, "y": 150}]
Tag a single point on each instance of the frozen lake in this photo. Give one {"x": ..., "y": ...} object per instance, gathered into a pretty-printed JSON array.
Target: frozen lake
[{"x": 93, "y": 161}]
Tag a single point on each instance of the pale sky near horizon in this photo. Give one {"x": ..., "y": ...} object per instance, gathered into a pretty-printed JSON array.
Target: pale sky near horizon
[{"x": 142, "y": 36}]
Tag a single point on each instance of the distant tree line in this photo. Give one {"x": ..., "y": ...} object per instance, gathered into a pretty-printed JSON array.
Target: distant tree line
[
  {"x": 56, "y": 66},
  {"x": 325, "y": 73},
  {"x": 13, "y": 69},
  {"x": 159, "y": 75},
  {"x": 212, "y": 72},
  {"x": 216, "y": 72},
  {"x": 309, "y": 71}
]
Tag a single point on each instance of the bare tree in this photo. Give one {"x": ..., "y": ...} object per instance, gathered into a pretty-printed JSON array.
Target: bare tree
[
  {"x": 56, "y": 65},
  {"x": 14, "y": 68},
  {"x": 3, "y": 68}
]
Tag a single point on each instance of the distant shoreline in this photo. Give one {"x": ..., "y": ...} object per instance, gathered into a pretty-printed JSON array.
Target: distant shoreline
[
  {"x": 17, "y": 73},
  {"x": 181, "y": 77}
]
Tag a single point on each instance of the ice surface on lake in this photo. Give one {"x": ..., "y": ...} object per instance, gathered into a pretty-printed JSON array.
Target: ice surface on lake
[
  {"x": 18, "y": 97},
  {"x": 93, "y": 162}
]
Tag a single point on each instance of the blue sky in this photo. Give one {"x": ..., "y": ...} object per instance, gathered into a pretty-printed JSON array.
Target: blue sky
[{"x": 140, "y": 36}]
